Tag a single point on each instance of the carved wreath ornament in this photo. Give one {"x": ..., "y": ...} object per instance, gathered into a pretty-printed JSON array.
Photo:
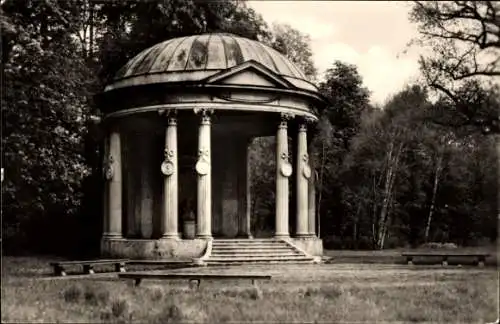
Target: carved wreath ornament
[
  {"x": 286, "y": 166},
  {"x": 167, "y": 167},
  {"x": 203, "y": 164},
  {"x": 306, "y": 170},
  {"x": 108, "y": 168}
]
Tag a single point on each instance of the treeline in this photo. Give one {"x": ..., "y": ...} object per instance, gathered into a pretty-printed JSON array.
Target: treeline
[
  {"x": 393, "y": 177},
  {"x": 387, "y": 177}
]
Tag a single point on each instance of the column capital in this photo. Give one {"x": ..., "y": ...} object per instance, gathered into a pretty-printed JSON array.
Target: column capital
[
  {"x": 285, "y": 117},
  {"x": 205, "y": 114},
  {"x": 171, "y": 117}
]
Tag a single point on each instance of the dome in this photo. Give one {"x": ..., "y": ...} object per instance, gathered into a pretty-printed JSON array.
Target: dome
[{"x": 195, "y": 58}]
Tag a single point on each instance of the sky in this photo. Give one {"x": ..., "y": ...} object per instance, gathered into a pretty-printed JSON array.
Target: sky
[{"x": 373, "y": 35}]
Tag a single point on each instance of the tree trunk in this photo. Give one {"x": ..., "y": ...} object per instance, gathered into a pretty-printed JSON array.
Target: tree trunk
[
  {"x": 392, "y": 162},
  {"x": 91, "y": 31},
  {"x": 437, "y": 174},
  {"x": 498, "y": 175}
]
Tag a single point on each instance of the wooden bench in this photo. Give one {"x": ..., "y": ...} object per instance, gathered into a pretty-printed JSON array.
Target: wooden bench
[
  {"x": 479, "y": 257},
  {"x": 192, "y": 277},
  {"x": 88, "y": 265}
]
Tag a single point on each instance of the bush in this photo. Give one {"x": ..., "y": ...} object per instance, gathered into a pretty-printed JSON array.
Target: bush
[
  {"x": 155, "y": 294},
  {"x": 436, "y": 245},
  {"x": 347, "y": 243},
  {"x": 255, "y": 293},
  {"x": 365, "y": 243},
  {"x": 119, "y": 307},
  {"x": 392, "y": 242},
  {"x": 94, "y": 297},
  {"x": 332, "y": 292},
  {"x": 73, "y": 294},
  {"x": 332, "y": 242},
  {"x": 174, "y": 313}
]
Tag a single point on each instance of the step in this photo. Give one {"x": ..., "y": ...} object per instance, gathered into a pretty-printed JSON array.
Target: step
[
  {"x": 258, "y": 257},
  {"x": 253, "y": 244},
  {"x": 246, "y": 240},
  {"x": 244, "y": 255},
  {"x": 266, "y": 260},
  {"x": 253, "y": 247},
  {"x": 217, "y": 263},
  {"x": 249, "y": 243},
  {"x": 270, "y": 251}
]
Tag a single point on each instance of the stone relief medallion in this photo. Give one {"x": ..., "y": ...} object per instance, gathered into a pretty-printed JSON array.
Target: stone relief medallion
[
  {"x": 306, "y": 171},
  {"x": 286, "y": 169},
  {"x": 167, "y": 168},
  {"x": 108, "y": 172},
  {"x": 202, "y": 167}
]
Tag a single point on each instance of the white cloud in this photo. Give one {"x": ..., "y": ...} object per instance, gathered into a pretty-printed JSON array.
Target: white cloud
[
  {"x": 370, "y": 35},
  {"x": 383, "y": 74}
]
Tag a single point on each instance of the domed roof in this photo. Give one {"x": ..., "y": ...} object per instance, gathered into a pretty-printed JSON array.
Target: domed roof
[{"x": 194, "y": 58}]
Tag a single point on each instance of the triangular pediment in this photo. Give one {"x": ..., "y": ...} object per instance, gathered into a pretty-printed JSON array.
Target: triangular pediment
[{"x": 250, "y": 73}]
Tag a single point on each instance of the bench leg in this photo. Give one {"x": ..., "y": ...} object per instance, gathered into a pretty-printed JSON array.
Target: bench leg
[
  {"x": 88, "y": 269},
  {"x": 481, "y": 261},
  {"x": 194, "y": 283},
  {"x": 409, "y": 260},
  {"x": 137, "y": 281},
  {"x": 59, "y": 271},
  {"x": 120, "y": 267}
]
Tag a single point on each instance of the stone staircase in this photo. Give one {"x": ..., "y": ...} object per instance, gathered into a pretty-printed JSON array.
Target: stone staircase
[{"x": 245, "y": 251}]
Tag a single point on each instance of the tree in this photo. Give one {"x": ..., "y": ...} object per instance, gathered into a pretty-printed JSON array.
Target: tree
[
  {"x": 44, "y": 109},
  {"x": 132, "y": 26},
  {"x": 295, "y": 46},
  {"x": 339, "y": 123},
  {"x": 464, "y": 38}
]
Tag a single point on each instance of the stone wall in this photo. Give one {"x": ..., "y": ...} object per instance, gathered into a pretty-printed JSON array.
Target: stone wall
[
  {"x": 153, "y": 249},
  {"x": 312, "y": 246}
]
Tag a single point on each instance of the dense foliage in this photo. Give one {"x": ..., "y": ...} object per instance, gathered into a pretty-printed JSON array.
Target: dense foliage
[{"x": 412, "y": 172}]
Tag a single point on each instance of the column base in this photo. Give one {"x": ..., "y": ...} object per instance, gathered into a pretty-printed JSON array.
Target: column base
[
  {"x": 281, "y": 235},
  {"x": 203, "y": 236},
  {"x": 170, "y": 236},
  {"x": 302, "y": 235},
  {"x": 112, "y": 236}
]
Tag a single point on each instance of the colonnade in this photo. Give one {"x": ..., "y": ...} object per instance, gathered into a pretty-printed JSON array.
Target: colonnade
[{"x": 305, "y": 193}]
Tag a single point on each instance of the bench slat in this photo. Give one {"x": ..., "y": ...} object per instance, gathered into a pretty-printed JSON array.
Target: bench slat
[
  {"x": 445, "y": 254},
  {"x": 132, "y": 275},
  {"x": 64, "y": 263}
]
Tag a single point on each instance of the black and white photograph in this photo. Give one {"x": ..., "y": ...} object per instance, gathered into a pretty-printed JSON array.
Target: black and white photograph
[{"x": 243, "y": 161}]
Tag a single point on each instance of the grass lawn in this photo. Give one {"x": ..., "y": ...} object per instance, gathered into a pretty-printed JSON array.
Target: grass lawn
[{"x": 329, "y": 293}]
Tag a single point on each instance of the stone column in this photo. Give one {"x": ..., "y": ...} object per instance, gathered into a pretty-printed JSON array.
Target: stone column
[
  {"x": 114, "y": 177},
  {"x": 312, "y": 192},
  {"x": 283, "y": 171},
  {"x": 243, "y": 188},
  {"x": 248, "y": 190},
  {"x": 105, "y": 198},
  {"x": 302, "y": 175},
  {"x": 146, "y": 188},
  {"x": 170, "y": 170},
  {"x": 203, "y": 168}
]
